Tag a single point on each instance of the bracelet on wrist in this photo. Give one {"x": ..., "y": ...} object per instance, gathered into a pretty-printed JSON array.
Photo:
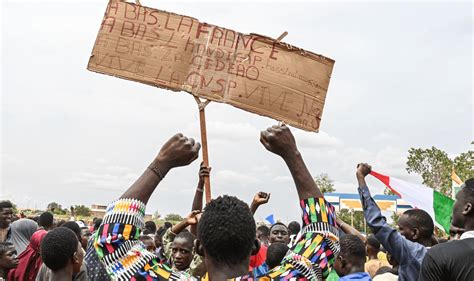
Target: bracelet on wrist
[{"x": 156, "y": 170}]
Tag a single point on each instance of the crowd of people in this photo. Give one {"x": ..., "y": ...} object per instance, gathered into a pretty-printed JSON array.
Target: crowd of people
[{"x": 221, "y": 240}]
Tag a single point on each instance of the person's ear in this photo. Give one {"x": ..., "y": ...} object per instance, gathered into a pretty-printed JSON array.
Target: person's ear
[
  {"x": 468, "y": 209},
  {"x": 75, "y": 258},
  {"x": 415, "y": 233},
  {"x": 198, "y": 248}
]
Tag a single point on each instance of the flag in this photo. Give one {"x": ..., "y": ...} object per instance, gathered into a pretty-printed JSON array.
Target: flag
[
  {"x": 270, "y": 219},
  {"x": 439, "y": 206},
  {"x": 456, "y": 184}
]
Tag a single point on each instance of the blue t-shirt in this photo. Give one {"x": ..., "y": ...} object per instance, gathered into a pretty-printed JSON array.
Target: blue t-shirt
[{"x": 360, "y": 276}]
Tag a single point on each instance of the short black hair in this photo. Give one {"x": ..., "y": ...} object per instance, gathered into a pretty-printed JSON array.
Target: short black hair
[
  {"x": 150, "y": 226},
  {"x": 468, "y": 191},
  {"x": 58, "y": 247},
  {"x": 4, "y": 246},
  {"x": 5, "y": 204},
  {"x": 46, "y": 219},
  {"x": 278, "y": 223},
  {"x": 418, "y": 218},
  {"x": 167, "y": 225},
  {"x": 353, "y": 248},
  {"x": 227, "y": 230},
  {"x": 97, "y": 224},
  {"x": 188, "y": 236},
  {"x": 383, "y": 269},
  {"x": 294, "y": 227},
  {"x": 72, "y": 225},
  {"x": 264, "y": 230},
  {"x": 275, "y": 254},
  {"x": 373, "y": 242}
]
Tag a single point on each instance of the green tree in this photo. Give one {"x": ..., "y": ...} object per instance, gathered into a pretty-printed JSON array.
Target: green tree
[
  {"x": 353, "y": 217},
  {"x": 435, "y": 167},
  {"x": 395, "y": 218},
  {"x": 81, "y": 210},
  {"x": 464, "y": 165},
  {"x": 324, "y": 183},
  {"x": 173, "y": 217},
  {"x": 55, "y": 208}
]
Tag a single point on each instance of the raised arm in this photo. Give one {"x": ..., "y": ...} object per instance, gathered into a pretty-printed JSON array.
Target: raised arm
[
  {"x": 280, "y": 140},
  {"x": 259, "y": 199},
  {"x": 401, "y": 249},
  {"x": 197, "y": 201},
  {"x": 348, "y": 229},
  {"x": 314, "y": 253},
  {"x": 177, "y": 151}
]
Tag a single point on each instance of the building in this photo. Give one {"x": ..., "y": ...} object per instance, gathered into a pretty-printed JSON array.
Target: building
[{"x": 351, "y": 201}]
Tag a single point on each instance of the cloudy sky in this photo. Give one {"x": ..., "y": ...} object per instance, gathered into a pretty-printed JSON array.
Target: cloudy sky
[{"x": 402, "y": 78}]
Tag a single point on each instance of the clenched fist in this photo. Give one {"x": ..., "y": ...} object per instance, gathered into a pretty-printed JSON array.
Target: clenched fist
[
  {"x": 178, "y": 151},
  {"x": 279, "y": 140}
]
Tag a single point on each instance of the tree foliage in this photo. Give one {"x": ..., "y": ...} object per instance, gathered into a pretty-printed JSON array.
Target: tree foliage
[
  {"x": 173, "y": 217},
  {"x": 324, "y": 183},
  {"x": 435, "y": 166},
  {"x": 81, "y": 210},
  {"x": 357, "y": 219},
  {"x": 55, "y": 208}
]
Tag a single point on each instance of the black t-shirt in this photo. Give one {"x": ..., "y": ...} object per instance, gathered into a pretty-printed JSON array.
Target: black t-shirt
[{"x": 452, "y": 260}]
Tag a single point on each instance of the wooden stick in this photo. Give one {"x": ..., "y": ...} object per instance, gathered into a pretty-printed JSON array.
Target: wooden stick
[{"x": 205, "y": 156}]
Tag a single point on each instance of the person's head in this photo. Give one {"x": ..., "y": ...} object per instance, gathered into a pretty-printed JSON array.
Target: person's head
[
  {"x": 60, "y": 249},
  {"x": 97, "y": 223},
  {"x": 148, "y": 242},
  {"x": 275, "y": 254},
  {"x": 72, "y": 225},
  {"x": 167, "y": 225},
  {"x": 46, "y": 220},
  {"x": 8, "y": 256},
  {"x": 263, "y": 234},
  {"x": 6, "y": 213},
  {"x": 416, "y": 225},
  {"x": 279, "y": 233},
  {"x": 463, "y": 209},
  {"x": 21, "y": 231},
  {"x": 226, "y": 232},
  {"x": 85, "y": 235},
  {"x": 351, "y": 259},
  {"x": 383, "y": 270},
  {"x": 182, "y": 250},
  {"x": 159, "y": 237},
  {"x": 373, "y": 246},
  {"x": 294, "y": 228},
  {"x": 150, "y": 228}
]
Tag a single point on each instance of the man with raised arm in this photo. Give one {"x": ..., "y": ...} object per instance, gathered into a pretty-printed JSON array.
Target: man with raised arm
[
  {"x": 408, "y": 246},
  {"x": 226, "y": 230}
]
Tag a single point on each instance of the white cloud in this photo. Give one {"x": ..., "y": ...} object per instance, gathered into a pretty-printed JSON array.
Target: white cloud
[
  {"x": 316, "y": 141},
  {"x": 227, "y": 177}
]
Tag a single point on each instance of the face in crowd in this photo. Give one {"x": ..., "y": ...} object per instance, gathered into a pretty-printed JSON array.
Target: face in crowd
[
  {"x": 9, "y": 258},
  {"x": 6, "y": 215},
  {"x": 279, "y": 233},
  {"x": 182, "y": 252}
]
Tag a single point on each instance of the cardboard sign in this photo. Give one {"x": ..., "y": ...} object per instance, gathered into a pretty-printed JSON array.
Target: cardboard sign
[{"x": 249, "y": 71}]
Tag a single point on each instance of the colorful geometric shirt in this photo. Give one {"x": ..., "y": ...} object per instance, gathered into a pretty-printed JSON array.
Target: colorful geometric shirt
[{"x": 126, "y": 258}]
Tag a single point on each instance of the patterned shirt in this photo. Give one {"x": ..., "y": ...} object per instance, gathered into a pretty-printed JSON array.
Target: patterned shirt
[{"x": 125, "y": 257}]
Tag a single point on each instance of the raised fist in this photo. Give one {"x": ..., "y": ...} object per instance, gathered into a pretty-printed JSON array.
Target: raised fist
[
  {"x": 261, "y": 198},
  {"x": 363, "y": 169},
  {"x": 178, "y": 151},
  {"x": 279, "y": 140}
]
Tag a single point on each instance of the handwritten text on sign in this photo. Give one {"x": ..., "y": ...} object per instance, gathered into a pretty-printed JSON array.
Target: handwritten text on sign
[{"x": 249, "y": 71}]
